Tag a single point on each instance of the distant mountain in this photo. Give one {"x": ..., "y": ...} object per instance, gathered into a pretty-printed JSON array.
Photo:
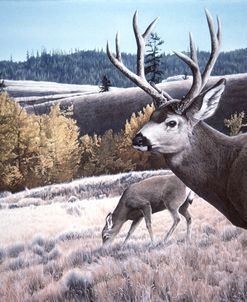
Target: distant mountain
[{"x": 88, "y": 67}]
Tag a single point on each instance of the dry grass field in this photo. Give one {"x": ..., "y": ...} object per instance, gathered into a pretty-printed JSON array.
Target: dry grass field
[{"x": 52, "y": 252}]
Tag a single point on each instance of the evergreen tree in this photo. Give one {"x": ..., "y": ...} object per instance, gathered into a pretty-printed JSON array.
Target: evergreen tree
[
  {"x": 153, "y": 57},
  {"x": 87, "y": 67},
  {"x": 105, "y": 84},
  {"x": 2, "y": 86}
]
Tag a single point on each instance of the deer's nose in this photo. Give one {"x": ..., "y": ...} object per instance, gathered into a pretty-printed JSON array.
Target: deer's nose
[{"x": 140, "y": 140}]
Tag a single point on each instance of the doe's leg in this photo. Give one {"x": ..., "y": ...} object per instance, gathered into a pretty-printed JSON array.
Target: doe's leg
[
  {"x": 184, "y": 211},
  {"x": 147, "y": 212},
  {"x": 176, "y": 219},
  {"x": 133, "y": 226}
]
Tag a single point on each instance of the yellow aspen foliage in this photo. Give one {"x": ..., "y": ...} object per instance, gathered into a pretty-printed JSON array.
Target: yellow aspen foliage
[
  {"x": 62, "y": 142},
  {"x": 35, "y": 150},
  {"x": 88, "y": 157},
  {"x": 235, "y": 123},
  {"x": 140, "y": 160}
]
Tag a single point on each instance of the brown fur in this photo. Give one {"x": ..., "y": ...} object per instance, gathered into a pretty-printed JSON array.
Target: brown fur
[{"x": 146, "y": 197}]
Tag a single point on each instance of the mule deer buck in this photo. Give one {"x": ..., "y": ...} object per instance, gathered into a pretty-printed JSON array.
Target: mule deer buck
[
  {"x": 212, "y": 164},
  {"x": 149, "y": 196}
]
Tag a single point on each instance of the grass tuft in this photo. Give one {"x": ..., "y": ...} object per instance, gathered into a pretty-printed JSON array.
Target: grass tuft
[
  {"x": 72, "y": 235},
  {"x": 54, "y": 270}
]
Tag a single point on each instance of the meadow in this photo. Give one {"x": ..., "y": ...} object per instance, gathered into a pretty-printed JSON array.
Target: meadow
[{"x": 52, "y": 251}]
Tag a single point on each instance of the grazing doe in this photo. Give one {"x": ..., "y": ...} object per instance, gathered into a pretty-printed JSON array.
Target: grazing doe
[{"x": 149, "y": 196}]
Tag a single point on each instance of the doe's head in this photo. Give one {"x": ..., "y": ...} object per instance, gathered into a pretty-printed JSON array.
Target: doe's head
[{"x": 107, "y": 232}]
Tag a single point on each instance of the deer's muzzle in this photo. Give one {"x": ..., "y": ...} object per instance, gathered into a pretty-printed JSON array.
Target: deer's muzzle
[{"x": 141, "y": 143}]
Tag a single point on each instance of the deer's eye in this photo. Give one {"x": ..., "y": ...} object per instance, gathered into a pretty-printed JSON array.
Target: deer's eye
[{"x": 171, "y": 124}]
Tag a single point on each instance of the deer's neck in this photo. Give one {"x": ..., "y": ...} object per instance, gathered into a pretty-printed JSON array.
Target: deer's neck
[{"x": 205, "y": 164}]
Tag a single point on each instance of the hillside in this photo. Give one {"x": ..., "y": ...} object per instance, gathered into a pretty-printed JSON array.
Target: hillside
[
  {"x": 97, "y": 112},
  {"x": 88, "y": 67},
  {"x": 37, "y": 92}
]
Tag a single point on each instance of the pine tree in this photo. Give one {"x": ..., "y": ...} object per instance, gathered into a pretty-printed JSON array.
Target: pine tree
[
  {"x": 105, "y": 84},
  {"x": 153, "y": 57}
]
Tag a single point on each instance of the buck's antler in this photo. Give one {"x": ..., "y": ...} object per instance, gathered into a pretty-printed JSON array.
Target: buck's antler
[
  {"x": 199, "y": 81},
  {"x": 160, "y": 97}
]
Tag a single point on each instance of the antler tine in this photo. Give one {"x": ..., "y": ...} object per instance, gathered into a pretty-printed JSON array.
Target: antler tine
[
  {"x": 140, "y": 41},
  {"x": 193, "y": 64},
  {"x": 165, "y": 94},
  {"x": 118, "y": 52},
  {"x": 215, "y": 46},
  {"x": 138, "y": 78}
]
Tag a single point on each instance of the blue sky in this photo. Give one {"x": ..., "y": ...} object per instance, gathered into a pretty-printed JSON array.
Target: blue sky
[{"x": 32, "y": 25}]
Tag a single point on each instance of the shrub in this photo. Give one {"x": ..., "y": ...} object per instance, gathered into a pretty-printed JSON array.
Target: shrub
[
  {"x": 38, "y": 250},
  {"x": 49, "y": 245},
  {"x": 15, "y": 250},
  {"x": 235, "y": 123},
  {"x": 79, "y": 257},
  {"x": 54, "y": 254},
  {"x": 77, "y": 286},
  {"x": 2, "y": 255},
  {"x": 230, "y": 233},
  {"x": 208, "y": 229},
  {"x": 39, "y": 241},
  {"x": 17, "y": 264}
]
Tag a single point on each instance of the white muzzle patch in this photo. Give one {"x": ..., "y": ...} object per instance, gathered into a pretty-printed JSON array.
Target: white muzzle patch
[{"x": 141, "y": 148}]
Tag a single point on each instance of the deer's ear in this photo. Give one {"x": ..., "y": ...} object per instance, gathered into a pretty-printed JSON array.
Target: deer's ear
[
  {"x": 109, "y": 221},
  {"x": 207, "y": 102}
]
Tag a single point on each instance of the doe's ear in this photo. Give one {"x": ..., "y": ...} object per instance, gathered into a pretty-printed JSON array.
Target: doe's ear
[
  {"x": 109, "y": 221},
  {"x": 207, "y": 102}
]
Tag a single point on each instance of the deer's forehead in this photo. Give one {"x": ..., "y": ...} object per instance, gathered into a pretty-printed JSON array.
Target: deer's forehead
[{"x": 159, "y": 116}]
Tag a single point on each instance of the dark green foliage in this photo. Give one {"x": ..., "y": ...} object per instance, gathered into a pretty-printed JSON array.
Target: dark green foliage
[
  {"x": 105, "y": 84},
  {"x": 87, "y": 67},
  {"x": 82, "y": 67},
  {"x": 2, "y": 85},
  {"x": 153, "y": 58}
]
